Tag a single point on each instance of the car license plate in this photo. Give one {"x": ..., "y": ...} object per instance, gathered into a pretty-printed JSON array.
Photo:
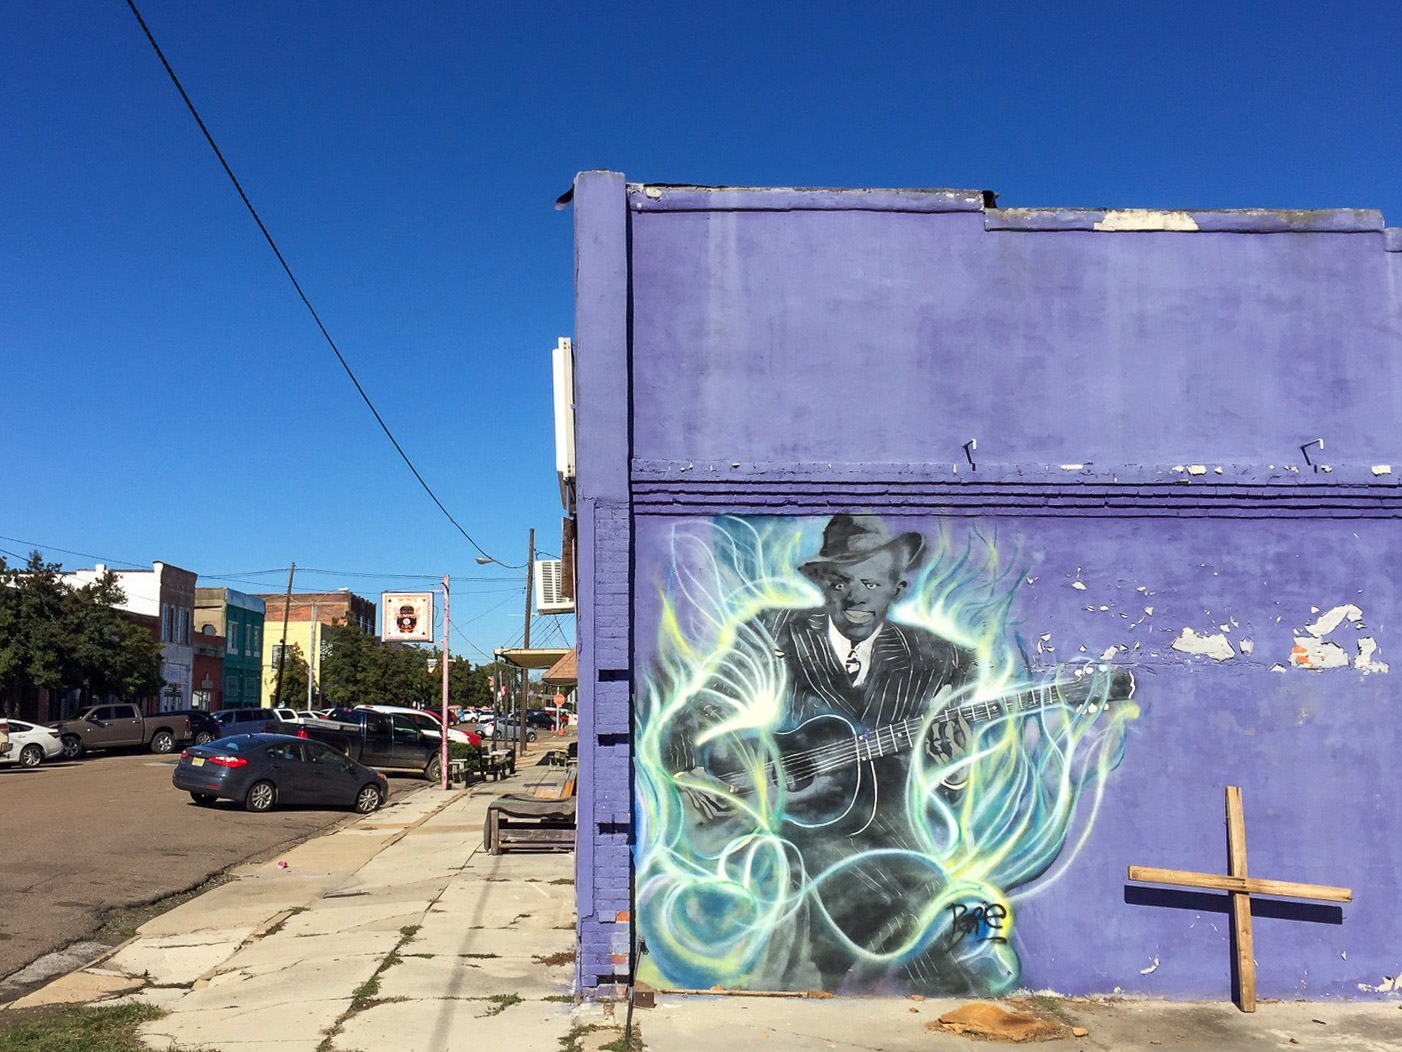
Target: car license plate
[{"x": 196, "y": 761}]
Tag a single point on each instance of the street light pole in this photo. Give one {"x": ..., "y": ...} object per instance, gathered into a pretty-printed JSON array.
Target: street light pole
[
  {"x": 443, "y": 738},
  {"x": 526, "y": 672}
]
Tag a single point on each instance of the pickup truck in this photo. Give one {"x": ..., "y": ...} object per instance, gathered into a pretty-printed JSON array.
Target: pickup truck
[
  {"x": 377, "y": 739},
  {"x": 120, "y": 726}
]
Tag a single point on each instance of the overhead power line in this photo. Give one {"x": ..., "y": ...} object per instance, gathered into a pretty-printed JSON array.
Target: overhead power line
[
  {"x": 68, "y": 551},
  {"x": 297, "y": 285}
]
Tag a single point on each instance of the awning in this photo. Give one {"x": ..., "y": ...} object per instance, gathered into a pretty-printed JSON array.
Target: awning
[
  {"x": 533, "y": 658},
  {"x": 565, "y": 672}
]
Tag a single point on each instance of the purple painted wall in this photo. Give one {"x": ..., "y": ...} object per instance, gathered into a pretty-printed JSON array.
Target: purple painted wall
[{"x": 1138, "y": 398}]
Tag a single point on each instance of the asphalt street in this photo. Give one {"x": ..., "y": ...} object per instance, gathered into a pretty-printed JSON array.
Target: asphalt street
[{"x": 78, "y": 839}]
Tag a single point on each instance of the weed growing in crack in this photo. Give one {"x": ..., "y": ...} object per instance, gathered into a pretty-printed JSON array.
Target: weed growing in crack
[
  {"x": 364, "y": 993},
  {"x": 571, "y": 1041},
  {"x": 501, "y": 1002},
  {"x": 563, "y": 957}
]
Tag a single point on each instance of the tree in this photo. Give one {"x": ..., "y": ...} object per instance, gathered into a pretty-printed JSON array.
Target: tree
[
  {"x": 296, "y": 678},
  {"x": 360, "y": 669},
  {"x": 56, "y": 638},
  {"x": 468, "y": 684}
]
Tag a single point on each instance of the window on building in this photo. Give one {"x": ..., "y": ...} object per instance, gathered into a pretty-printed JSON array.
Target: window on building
[
  {"x": 165, "y": 622},
  {"x": 184, "y": 622},
  {"x": 257, "y": 645},
  {"x": 231, "y": 645}
]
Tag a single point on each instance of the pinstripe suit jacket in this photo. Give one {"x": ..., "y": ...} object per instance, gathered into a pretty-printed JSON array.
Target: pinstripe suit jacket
[{"x": 909, "y": 666}]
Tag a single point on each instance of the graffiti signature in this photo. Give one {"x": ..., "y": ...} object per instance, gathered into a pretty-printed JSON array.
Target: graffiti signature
[{"x": 984, "y": 922}]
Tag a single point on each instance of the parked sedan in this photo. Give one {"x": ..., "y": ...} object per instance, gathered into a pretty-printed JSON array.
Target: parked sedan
[
  {"x": 30, "y": 744},
  {"x": 506, "y": 729},
  {"x": 203, "y": 726},
  {"x": 260, "y": 771}
]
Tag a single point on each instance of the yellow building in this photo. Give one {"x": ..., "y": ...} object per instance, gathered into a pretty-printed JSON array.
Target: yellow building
[{"x": 306, "y": 616}]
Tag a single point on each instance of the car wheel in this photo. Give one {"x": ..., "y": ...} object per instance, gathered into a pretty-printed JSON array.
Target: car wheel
[
  {"x": 434, "y": 771},
  {"x": 31, "y": 756},
  {"x": 261, "y": 796},
  {"x": 368, "y": 799},
  {"x": 203, "y": 799},
  {"x": 530, "y": 736},
  {"x": 72, "y": 747},
  {"x": 162, "y": 742},
  {"x": 203, "y": 737}
]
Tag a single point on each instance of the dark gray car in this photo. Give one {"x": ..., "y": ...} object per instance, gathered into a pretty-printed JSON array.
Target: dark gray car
[{"x": 263, "y": 770}]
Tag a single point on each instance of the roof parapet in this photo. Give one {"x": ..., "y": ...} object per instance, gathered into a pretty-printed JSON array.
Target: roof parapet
[{"x": 1226, "y": 220}]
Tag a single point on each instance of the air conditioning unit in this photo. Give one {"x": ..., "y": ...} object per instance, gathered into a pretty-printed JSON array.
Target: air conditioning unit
[{"x": 549, "y": 593}]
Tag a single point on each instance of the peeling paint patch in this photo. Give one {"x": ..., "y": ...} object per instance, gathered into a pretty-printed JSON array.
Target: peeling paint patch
[
  {"x": 1317, "y": 654},
  {"x": 1391, "y": 984},
  {"x": 1247, "y": 646},
  {"x": 1197, "y": 469},
  {"x": 1152, "y": 967},
  {"x": 1078, "y": 585},
  {"x": 1217, "y": 647},
  {"x": 1313, "y": 650},
  {"x": 1382, "y": 469},
  {"x": 1145, "y": 219},
  {"x": 1331, "y": 620},
  {"x": 1367, "y": 647}
]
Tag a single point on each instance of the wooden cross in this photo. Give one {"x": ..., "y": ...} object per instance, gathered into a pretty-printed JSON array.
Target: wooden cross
[{"x": 1241, "y": 888}]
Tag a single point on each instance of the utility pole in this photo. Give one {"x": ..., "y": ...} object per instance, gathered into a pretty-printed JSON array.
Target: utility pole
[
  {"x": 282, "y": 650},
  {"x": 443, "y": 739},
  {"x": 525, "y": 672},
  {"x": 313, "y": 663}
]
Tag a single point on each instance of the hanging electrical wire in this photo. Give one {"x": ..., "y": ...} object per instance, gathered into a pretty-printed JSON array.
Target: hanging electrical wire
[{"x": 209, "y": 138}]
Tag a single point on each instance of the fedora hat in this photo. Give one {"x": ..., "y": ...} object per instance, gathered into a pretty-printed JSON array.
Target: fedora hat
[{"x": 852, "y": 538}]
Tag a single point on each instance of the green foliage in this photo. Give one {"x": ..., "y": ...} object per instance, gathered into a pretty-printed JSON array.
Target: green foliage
[
  {"x": 58, "y": 638},
  {"x": 468, "y": 684},
  {"x": 501, "y": 1002},
  {"x": 295, "y": 677},
  {"x": 76, "y": 1028},
  {"x": 360, "y": 669}
]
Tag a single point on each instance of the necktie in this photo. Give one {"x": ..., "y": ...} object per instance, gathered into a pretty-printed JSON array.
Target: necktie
[{"x": 853, "y": 664}]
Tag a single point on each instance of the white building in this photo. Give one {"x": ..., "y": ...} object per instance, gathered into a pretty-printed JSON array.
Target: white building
[{"x": 166, "y": 595}]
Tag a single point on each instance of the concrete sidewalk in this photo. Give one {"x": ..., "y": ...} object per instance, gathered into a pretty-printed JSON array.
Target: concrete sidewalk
[{"x": 399, "y": 933}]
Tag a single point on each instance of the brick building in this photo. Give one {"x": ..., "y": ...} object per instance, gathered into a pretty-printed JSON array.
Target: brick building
[{"x": 304, "y": 616}]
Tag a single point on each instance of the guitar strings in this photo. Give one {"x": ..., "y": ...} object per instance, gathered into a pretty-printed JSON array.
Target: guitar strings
[{"x": 836, "y": 755}]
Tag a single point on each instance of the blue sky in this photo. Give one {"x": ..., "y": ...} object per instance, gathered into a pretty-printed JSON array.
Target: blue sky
[{"x": 166, "y": 396}]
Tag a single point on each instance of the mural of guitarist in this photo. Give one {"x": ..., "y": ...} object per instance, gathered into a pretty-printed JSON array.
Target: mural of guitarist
[{"x": 840, "y": 796}]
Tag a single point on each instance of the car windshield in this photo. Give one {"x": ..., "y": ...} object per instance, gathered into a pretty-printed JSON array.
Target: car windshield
[{"x": 242, "y": 742}]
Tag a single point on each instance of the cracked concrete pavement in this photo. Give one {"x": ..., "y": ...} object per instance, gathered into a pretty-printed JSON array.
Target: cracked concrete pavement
[{"x": 399, "y": 932}]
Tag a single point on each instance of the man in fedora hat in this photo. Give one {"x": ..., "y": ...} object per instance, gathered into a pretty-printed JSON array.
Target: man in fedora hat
[
  {"x": 851, "y": 672},
  {"x": 849, "y": 656}
]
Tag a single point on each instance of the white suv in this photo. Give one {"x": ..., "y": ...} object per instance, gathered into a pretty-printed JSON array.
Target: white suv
[{"x": 428, "y": 722}]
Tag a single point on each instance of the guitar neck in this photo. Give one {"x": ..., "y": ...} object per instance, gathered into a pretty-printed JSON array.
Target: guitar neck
[{"x": 901, "y": 736}]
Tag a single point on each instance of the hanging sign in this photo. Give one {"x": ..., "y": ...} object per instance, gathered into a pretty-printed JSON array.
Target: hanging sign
[{"x": 406, "y": 617}]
